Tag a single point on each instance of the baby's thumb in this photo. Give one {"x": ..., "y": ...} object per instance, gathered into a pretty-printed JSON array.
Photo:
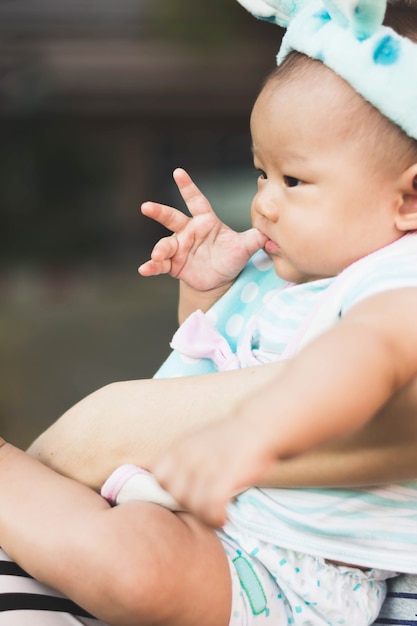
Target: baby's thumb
[{"x": 254, "y": 240}]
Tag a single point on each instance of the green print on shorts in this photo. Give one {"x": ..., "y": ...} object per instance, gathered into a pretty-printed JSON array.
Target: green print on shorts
[{"x": 251, "y": 585}]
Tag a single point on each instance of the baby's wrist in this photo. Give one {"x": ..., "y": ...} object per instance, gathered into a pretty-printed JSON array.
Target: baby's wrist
[
  {"x": 205, "y": 297},
  {"x": 192, "y": 299}
]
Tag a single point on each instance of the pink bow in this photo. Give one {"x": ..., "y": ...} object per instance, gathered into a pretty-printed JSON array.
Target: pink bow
[{"x": 198, "y": 338}]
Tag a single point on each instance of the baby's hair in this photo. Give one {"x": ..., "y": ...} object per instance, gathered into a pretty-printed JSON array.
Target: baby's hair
[
  {"x": 389, "y": 143},
  {"x": 401, "y": 16}
]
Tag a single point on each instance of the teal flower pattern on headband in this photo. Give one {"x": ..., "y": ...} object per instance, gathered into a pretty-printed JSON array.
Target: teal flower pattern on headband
[
  {"x": 363, "y": 15},
  {"x": 349, "y": 37},
  {"x": 387, "y": 51}
]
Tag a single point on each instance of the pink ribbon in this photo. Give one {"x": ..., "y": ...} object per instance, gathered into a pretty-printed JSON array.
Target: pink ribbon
[{"x": 198, "y": 338}]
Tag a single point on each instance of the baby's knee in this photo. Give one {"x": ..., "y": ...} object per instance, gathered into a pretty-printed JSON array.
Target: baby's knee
[{"x": 172, "y": 567}]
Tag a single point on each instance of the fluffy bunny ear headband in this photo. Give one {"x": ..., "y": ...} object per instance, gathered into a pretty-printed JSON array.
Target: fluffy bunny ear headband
[{"x": 348, "y": 37}]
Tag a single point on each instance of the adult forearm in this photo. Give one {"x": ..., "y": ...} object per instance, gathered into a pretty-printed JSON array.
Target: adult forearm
[{"x": 134, "y": 421}]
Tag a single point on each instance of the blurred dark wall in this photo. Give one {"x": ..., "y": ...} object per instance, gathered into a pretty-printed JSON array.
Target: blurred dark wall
[{"x": 99, "y": 101}]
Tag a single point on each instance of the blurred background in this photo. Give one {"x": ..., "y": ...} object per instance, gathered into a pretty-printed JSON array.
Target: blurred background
[{"x": 99, "y": 101}]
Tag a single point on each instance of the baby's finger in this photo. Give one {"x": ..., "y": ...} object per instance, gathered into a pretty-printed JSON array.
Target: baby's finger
[
  {"x": 195, "y": 200},
  {"x": 165, "y": 248},
  {"x": 253, "y": 240},
  {"x": 161, "y": 255},
  {"x": 151, "y": 268},
  {"x": 214, "y": 515},
  {"x": 171, "y": 218},
  {"x": 209, "y": 509}
]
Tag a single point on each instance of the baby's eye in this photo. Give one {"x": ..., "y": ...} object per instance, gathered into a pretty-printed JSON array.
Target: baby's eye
[
  {"x": 261, "y": 174},
  {"x": 291, "y": 181}
]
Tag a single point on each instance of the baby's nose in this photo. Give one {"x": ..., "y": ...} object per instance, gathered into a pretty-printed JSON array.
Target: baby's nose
[{"x": 264, "y": 205}]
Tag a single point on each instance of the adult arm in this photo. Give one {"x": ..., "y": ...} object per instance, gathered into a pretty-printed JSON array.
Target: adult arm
[{"x": 135, "y": 421}]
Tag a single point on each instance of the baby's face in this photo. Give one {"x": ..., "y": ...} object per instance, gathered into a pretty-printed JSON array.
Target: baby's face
[{"x": 320, "y": 201}]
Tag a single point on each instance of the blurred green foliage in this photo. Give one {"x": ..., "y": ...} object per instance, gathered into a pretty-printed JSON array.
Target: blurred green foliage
[{"x": 201, "y": 25}]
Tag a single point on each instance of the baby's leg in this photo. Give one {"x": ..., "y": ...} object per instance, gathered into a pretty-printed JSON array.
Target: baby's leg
[
  {"x": 136, "y": 563},
  {"x": 180, "y": 575},
  {"x": 177, "y": 574}
]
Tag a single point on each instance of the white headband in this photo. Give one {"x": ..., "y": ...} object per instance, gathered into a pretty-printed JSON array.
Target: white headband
[{"x": 348, "y": 37}]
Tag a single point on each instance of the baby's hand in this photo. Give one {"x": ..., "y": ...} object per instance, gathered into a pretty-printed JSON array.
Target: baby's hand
[
  {"x": 207, "y": 469},
  {"x": 202, "y": 251}
]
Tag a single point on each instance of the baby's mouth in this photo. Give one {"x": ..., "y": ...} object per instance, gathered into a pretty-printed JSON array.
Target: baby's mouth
[{"x": 271, "y": 247}]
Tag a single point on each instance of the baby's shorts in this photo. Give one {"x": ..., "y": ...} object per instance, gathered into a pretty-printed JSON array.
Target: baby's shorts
[{"x": 279, "y": 587}]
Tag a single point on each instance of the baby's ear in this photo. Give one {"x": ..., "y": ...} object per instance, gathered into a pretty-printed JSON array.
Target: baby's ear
[{"x": 406, "y": 217}]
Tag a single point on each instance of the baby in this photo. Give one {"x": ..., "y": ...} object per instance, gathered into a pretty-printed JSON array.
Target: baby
[{"x": 334, "y": 141}]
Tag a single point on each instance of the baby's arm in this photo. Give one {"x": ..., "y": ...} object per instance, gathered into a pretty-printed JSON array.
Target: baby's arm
[
  {"x": 332, "y": 389},
  {"x": 203, "y": 253}
]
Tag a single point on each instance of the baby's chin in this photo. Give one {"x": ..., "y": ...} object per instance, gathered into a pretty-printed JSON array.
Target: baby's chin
[{"x": 289, "y": 273}]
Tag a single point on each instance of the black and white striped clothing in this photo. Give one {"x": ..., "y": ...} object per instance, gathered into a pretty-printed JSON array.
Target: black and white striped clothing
[
  {"x": 400, "y": 606},
  {"x": 26, "y": 602}
]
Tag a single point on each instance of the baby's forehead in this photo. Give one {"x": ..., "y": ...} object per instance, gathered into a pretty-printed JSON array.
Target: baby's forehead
[
  {"x": 313, "y": 91},
  {"x": 309, "y": 111},
  {"x": 311, "y": 85},
  {"x": 301, "y": 74}
]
